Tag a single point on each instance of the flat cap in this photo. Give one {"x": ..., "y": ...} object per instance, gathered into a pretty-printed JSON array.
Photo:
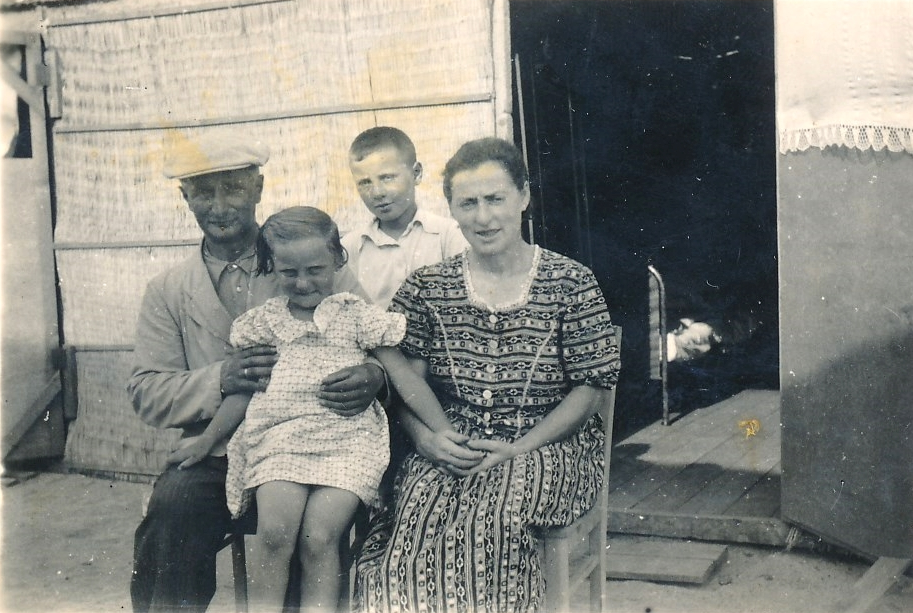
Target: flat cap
[{"x": 212, "y": 152}]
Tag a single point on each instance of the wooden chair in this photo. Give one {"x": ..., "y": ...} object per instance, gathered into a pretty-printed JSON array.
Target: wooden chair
[
  {"x": 349, "y": 549},
  {"x": 235, "y": 540},
  {"x": 558, "y": 545}
]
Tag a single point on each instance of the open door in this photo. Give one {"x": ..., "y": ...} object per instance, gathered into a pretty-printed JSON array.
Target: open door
[
  {"x": 32, "y": 414},
  {"x": 651, "y": 141},
  {"x": 847, "y": 348},
  {"x": 845, "y": 175}
]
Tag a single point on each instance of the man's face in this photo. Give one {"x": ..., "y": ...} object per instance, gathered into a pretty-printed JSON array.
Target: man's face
[
  {"x": 225, "y": 203},
  {"x": 386, "y": 183},
  {"x": 694, "y": 338}
]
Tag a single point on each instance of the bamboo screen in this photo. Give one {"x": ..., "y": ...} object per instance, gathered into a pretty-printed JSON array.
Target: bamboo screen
[{"x": 304, "y": 77}]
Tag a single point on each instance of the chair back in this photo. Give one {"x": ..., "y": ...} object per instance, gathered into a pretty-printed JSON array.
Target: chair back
[{"x": 607, "y": 411}]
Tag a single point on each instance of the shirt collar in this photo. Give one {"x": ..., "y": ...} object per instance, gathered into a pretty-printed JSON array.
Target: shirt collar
[
  {"x": 247, "y": 261},
  {"x": 423, "y": 219}
]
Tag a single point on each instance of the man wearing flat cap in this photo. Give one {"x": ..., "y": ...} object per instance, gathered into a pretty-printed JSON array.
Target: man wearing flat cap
[{"x": 184, "y": 366}]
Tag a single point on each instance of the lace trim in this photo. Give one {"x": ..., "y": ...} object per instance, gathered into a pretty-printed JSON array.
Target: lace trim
[
  {"x": 522, "y": 297},
  {"x": 859, "y": 137}
]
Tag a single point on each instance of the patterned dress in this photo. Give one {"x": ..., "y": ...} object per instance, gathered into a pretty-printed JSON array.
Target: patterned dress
[
  {"x": 286, "y": 434},
  {"x": 463, "y": 545}
]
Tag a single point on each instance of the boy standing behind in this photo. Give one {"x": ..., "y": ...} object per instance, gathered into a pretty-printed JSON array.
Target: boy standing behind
[{"x": 401, "y": 238}]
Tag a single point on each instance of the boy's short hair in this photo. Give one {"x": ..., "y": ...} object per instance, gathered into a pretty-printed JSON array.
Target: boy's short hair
[{"x": 380, "y": 137}]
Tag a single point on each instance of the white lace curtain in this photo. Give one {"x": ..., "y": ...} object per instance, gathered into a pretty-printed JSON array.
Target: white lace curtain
[{"x": 844, "y": 74}]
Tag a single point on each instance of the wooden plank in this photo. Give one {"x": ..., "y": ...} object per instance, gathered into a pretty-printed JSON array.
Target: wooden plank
[
  {"x": 747, "y": 462},
  {"x": 722, "y": 492},
  {"x": 657, "y": 547},
  {"x": 355, "y": 107},
  {"x": 872, "y": 585},
  {"x": 39, "y": 406},
  {"x": 665, "y": 451},
  {"x": 148, "y": 13},
  {"x": 659, "y": 436},
  {"x": 730, "y": 529},
  {"x": 31, "y": 94},
  {"x": 623, "y": 470},
  {"x": 762, "y": 500},
  {"x": 664, "y": 443},
  {"x": 687, "y": 484},
  {"x": 693, "y": 445},
  {"x": 663, "y": 560},
  {"x": 181, "y": 242},
  {"x": 718, "y": 478}
]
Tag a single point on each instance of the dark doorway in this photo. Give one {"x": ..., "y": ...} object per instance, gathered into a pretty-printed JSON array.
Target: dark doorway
[{"x": 651, "y": 140}]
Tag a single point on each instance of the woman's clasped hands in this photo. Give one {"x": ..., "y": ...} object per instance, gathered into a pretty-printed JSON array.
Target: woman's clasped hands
[{"x": 461, "y": 455}]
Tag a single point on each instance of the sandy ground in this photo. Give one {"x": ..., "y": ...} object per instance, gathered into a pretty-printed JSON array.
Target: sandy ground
[{"x": 67, "y": 541}]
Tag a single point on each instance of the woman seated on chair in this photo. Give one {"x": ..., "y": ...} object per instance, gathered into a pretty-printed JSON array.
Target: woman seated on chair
[{"x": 517, "y": 343}]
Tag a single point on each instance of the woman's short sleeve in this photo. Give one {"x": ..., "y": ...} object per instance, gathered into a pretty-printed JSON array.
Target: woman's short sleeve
[
  {"x": 409, "y": 302},
  {"x": 590, "y": 351},
  {"x": 252, "y": 328}
]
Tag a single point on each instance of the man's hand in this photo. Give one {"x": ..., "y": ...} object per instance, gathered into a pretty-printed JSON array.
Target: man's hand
[
  {"x": 351, "y": 390},
  {"x": 247, "y": 370},
  {"x": 187, "y": 456}
]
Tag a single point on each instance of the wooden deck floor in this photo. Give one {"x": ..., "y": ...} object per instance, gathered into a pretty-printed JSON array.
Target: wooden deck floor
[{"x": 702, "y": 477}]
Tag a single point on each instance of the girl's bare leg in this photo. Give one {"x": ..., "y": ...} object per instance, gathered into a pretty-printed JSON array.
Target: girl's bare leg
[
  {"x": 280, "y": 506},
  {"x": 327, "y": 517}
]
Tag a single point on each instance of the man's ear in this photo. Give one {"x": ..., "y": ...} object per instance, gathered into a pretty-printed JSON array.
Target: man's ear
[
  {"x": 417, "y": 172},
  {"x": 259, "y": 187}
]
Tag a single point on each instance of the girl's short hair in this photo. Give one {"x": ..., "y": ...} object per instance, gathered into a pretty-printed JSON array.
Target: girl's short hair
[
  {"x": 473, "y": 154},
  {"x": 295, "y": 223}
]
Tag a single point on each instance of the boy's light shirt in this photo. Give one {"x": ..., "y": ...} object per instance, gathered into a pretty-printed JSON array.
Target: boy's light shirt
[{"x": 382, "y": 263}]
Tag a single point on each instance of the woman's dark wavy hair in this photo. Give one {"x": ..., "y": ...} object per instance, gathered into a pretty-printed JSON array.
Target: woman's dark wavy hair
[
  {"x": 294, "y": 223},
  {"x": 473, "y": 154}
]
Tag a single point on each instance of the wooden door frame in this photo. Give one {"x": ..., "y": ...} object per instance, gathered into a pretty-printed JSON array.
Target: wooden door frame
[{"x": 35, "y": 412}]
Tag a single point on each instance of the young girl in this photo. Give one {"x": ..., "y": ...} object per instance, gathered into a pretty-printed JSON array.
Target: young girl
[{"x": 308, "y": 466}]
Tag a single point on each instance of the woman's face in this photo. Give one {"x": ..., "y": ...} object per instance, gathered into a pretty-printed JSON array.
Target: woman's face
[{"x": 489, "y": 208}]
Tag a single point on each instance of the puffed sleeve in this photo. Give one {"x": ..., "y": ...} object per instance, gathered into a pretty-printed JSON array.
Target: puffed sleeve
[
  {"x": 419, "y": 329},
  {"x": 253, "y": 327},
  {"x": 589, "y": 349},
  {"x": 377, "y": 327}
]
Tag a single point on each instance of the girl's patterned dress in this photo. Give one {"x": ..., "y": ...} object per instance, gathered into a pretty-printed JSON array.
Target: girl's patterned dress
[
  {"x": 286, "y": 434},
  {"x": 463, "y": 544}
]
